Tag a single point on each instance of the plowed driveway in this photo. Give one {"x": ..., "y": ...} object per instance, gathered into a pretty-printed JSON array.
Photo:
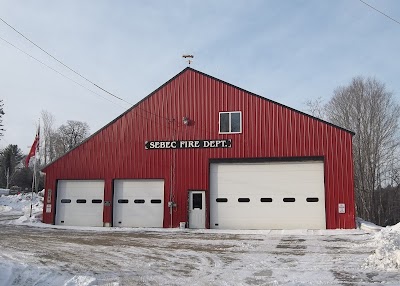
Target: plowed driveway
[{"x": 176, "y": 257}]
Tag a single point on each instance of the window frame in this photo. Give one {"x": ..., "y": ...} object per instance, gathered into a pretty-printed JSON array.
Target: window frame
[
  {"x": 230, "y": 122},
  {"x": 196, "y": 201}
]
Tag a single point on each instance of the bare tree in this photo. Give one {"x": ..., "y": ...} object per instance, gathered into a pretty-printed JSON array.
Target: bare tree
[
  {"x": 48, "y": 137},
  {"x": 367, "y": 108},
  {"x": 70, "y": 135},
  {"x": 316, "y": 107}
]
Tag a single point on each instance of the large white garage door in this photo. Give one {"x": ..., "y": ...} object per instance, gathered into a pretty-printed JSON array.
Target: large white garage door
[
  {"x": 138, "y": 203},
  {"x": 80, "y": 202},
  {"x": 275, "y": 195}
]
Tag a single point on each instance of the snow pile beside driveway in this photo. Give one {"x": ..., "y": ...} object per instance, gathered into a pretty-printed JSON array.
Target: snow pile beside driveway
[
  {"x": 387, "y": 254},
  {"x": 24, "y": 274},
  {"x": 4, "y": 191},
  {"x": 367, "y": 226},
  {"x": 19, "y": 206}
]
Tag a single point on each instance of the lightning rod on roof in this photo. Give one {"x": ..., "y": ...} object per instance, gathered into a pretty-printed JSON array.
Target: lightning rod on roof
[{"x": 188, "y": 57}]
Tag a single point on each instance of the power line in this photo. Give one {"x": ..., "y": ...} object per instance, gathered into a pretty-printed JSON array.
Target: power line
[
  {"x": 88, "y": 80},
  {"x": 39, "y": 61},
  {"x": 47, "y": 53},
  {"x": 74, "y": 71},
  {"x": 81, "y": 85},
  {"x": 140, "y": 108},
  {"x": 394, "y": 20},
  {"x": 140, "y": 115},
  {"x": 168, "y": 119}
]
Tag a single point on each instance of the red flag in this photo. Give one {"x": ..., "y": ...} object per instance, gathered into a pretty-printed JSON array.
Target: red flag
[{"x": 34, "y": 148}]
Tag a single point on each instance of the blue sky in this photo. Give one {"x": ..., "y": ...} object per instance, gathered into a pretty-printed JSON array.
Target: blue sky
[{"x": 288, "y": 51}]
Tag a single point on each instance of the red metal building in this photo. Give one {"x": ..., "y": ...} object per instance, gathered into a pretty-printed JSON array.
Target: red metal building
[{"x": 201, "y": 152}]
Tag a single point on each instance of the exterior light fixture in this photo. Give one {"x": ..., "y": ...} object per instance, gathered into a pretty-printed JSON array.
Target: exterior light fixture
[{"x": 185, "y": 120}]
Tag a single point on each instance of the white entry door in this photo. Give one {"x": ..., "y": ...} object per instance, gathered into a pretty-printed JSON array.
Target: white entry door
[{"x": 197, "y": 209}]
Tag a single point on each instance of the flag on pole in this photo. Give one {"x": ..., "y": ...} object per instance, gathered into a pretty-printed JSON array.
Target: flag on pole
[{"x": 34, "y": 148}]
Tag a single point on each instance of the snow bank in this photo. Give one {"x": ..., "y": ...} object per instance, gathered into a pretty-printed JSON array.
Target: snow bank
[
  {"x": 16, "y": 273},
  {"x": 4, "y": 191},
  {"x": 20, "y": 205},
  {"x": 367, "y": 226},
  {"x": 387, "y": 253}
]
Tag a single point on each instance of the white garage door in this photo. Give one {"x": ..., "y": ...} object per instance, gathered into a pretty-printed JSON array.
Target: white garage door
[
  {"x": 276, "y": 195},
  {"x": 138, "y": 203},
  {"x": 80, "y": 202}
]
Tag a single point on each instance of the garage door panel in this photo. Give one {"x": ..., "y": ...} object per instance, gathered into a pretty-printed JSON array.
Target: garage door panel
[
  {"x": 271, "y": 181},
  {"x": 70, "y": 207},
  {"x": 143, "y": 203}
]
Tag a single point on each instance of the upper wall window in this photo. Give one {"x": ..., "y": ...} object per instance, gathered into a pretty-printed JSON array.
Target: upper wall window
[{"x": 230, "y": 122}]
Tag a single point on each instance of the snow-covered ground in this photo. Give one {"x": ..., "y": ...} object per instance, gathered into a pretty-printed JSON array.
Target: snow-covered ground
[
  {"x": 19, "y": 207},
  {"x": 4, "y": 191},
  {"x": 32, "y": 253},
  {"x": 387, "y": 253}
]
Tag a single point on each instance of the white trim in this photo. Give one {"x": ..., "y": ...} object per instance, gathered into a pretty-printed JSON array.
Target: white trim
[{"x": 230, "y": 122}]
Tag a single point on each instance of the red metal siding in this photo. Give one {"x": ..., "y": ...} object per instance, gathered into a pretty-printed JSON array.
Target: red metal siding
[{"x": 270, "y": 130}]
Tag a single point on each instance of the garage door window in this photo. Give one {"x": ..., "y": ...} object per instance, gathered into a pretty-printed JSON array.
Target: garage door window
[
  {"x": 266, "y": 200},
  {"x": 289, "y": 200},
  {"x": 81, "y": 201},
  {"x": 155, "y": 201},
  {"x": 221, "y": 200},
  {"x": 65, "y": 201},
  {"x": 139, "y": 201},
  {"x": 123, "y": 201},
  {"x": 312, "y": 200},
  {"x": 243, "y": 200},
  {"x": 97, "y": 201},
  {"x": 230, "y": 122}
]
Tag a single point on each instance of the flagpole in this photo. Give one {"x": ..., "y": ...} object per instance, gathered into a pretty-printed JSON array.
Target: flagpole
[
  {"x": 33, "y": 185},
  {"x": 34, "y": 178}
]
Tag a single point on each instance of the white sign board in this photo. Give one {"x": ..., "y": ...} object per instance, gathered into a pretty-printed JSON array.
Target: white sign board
[
  {"x": 48, "y": 208},
  {"x": 342, "y": 208}
]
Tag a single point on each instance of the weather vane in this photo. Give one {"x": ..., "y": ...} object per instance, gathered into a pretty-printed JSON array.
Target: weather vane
[{"x": 188, "y": 57}]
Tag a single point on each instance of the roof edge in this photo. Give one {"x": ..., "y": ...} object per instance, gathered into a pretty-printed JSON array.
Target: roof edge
[
  {"x": 116, "y": 119},
  {"x": 275, "y": 102},
  {"x": 206, "y": 75}
]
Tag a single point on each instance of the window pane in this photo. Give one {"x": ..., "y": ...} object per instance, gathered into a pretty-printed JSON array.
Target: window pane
[
  {"x": 312, "y": 200},
  {"x": 97, "y": 201},
  {"x": 156, "y": 201},
  {"x": 243, "y": 200},
  {"x": 122, "y": 201},
  {"x": 235, "y": 122},
  {"x": 138, "y": 201},
  {"x": 266, "y": 200},
  {"x": 289, "y": 200},
  {"x": 221, "y": 200},
  {"x": 224, "y": 122},
  {"x": 81, "y": 201},
  {"x": 65, "y": 201},
  {"x": 197, "y": 201}
]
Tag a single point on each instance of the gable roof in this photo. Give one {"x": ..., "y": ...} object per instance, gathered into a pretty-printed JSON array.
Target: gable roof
[{"x": 205, "y": 75}]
